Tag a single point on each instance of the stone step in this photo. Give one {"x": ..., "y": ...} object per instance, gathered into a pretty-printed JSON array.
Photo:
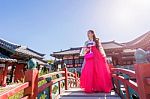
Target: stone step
[
  {"x": 77, "y": 93},
  {"x": 90, "y": 98}
]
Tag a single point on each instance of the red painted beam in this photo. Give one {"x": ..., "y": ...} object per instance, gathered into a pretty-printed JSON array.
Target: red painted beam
[
  {"x": 129, "y": 83},
  {"x": 41, "y": 88},
  {"x": 57, "y": 80},
  {"x": 125, "y": 71},
  {"x": 49, "y": 75},
  {"x": 71, "y": 78},
  {"x": 44, "y": 86},
  {"x": 11, "y": 92}
]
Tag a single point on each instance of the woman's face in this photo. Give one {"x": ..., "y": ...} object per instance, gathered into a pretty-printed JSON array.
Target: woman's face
[{"x": 90, "y": 35}]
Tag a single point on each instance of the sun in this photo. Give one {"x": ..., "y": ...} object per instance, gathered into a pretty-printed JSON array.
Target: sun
[
  {"x": 128, "y": 12},
  {"x": 124, "y": 16}
]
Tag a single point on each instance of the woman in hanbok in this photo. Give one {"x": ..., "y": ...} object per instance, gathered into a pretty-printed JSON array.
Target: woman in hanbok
[{"x": 95, "y": 74}]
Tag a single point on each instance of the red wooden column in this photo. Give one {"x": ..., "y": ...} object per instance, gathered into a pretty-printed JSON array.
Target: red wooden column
[
  {"x": 1, "y": 74},
  {"x": 5, "y": 75},
  {"x": 19, "y": 72},
  {"x": 76, "y": 78},
  {"x": 66, "y": 78},
  {"x": 143, "y": 80},
  {"x": 32, "y": 77}
]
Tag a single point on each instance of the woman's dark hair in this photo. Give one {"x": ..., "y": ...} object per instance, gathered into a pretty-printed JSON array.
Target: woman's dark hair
[{"x": 96, "y": 40}]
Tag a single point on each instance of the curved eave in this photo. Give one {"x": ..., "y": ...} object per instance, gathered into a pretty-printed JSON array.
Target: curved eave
[
  {"x": 40, "y": 54},
  {"x": 7, "y": 48},
  {"x": 114, "y": 49},
  {"x": 19, "y": 55},
  {"x": 8, "y": 60},
  {"x": 62, "y": 55}
]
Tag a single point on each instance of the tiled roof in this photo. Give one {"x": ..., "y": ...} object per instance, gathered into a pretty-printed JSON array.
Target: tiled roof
[
  {"x": 68, "y": 52},
  {"x": 25, "y": 51},
  {"x": 139, "y": 42},
  {"x": 76, "y": 51},
  {"x": 8, "y": 45},
  {"x": 40, "y": 62},
  {"x": 18, "y": 49},
  {"x": 4, "y": 58},
  {"x": 111, "y": 45},
  {"x": 40, "y": 54}
]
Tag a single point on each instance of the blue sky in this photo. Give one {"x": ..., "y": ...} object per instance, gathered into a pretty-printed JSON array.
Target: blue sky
[{"x": 52, "y": 25}]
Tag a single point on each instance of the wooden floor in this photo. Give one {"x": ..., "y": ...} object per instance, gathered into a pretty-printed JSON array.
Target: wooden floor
[{"x": 77, "y": 93}]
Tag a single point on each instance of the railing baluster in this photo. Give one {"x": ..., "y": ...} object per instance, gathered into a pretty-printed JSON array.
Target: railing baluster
[
  {"x": 143, "y": 71},
  {"x": 127, "y": 91},
  {"x": 66, "y": 79},
  {"x": 59, "y": 87},
  {"x": 75, "y": 74},
  {"x": 31, "y": 76},
  {"x": 122, "y": 76}
]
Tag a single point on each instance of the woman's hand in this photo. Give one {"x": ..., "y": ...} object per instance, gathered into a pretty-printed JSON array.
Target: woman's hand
[
  {"x": 87, "y": 50},
  {"x": 84, "y": 50}
]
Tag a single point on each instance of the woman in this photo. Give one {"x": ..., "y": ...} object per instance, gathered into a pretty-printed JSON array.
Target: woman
[{"x": 95, "y": 75}]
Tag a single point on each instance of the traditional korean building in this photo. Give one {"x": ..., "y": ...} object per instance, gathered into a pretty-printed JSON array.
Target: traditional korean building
[
  {"x": 141, "y": 42},
  {"x": 121, "y": 54},
  {"x": 13, "y": 61},
  {"x": 72, "y": 58}
]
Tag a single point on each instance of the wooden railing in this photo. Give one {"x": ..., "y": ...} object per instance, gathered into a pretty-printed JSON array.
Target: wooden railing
[
  {"x": 51, "y": 87},
  {"x": 15, "y": 90},
  {"x": 64, "y": 81},
  {"x": 132, "y": 84},
  {"x": 28, "y": 88},
  {"x": 128, "y": 84}
]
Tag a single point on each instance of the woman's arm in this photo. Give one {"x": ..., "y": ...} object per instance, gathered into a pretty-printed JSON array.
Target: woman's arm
[
  {"x": 84, "y": 49},
  {"x": 102, "y": 49}
]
